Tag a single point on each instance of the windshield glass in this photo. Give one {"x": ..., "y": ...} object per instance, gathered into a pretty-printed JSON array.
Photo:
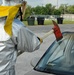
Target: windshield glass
[{"x": 59, "y": 57}]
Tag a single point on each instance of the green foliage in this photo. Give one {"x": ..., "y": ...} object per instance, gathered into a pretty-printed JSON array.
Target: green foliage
[
  {"x": 41, "y": 10},
  {"x": 28, "y": 12},
  {"x": 63, "y": 8},
  {"x": 57, "y": 12},
  {"x": 49, "y": 9},
  {"x": 71, "y": 9},
  {"x": 38, "y": 10}
]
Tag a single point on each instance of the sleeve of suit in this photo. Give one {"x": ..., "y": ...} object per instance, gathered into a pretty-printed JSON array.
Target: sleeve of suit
[{"x": 27, "y": 40}]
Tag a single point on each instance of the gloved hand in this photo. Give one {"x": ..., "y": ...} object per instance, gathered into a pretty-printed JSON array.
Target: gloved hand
[{"x": 41, "y": 40}]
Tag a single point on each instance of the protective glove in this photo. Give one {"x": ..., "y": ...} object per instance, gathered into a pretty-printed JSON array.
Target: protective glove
[{"x": 41, "y": 40}]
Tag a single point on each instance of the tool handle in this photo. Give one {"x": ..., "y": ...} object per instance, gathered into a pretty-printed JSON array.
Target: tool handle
[{"x": 47, "y": 34}]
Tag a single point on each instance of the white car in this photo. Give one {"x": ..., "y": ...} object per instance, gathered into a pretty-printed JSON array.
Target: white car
[{"x": 58, "y": 59}]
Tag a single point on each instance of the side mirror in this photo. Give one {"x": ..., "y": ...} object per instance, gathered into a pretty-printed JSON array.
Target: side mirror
[{"x": 34, "y": 61}]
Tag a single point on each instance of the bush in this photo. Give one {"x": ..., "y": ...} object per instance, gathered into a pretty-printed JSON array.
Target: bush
[{"x": 57, "y": 12}]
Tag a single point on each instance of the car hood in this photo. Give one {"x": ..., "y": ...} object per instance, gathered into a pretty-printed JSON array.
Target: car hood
[{"x": 33, "y": 72}]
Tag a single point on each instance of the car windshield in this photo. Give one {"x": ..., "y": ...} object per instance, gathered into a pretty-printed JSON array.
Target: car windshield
[{"x": 59, "y": 58}]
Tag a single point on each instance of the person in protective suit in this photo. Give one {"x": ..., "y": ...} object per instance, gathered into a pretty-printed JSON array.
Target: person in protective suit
[{"x": 15, "y": 38}]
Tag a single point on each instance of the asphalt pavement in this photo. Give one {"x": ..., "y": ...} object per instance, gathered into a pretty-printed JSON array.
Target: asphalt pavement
[{"x": 23, "y": 61}]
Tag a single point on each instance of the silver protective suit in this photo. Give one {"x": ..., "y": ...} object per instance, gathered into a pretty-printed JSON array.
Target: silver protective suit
[{"x": 22, "y": 39}]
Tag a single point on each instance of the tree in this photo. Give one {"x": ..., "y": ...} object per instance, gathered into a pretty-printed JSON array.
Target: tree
[
  {"x": 63, "y": 8},
  {"x": 49, "y": 9},
  {"x": 28, "y": 12},
  {"x": 38, "y": 10},
  {"x": 41, "y": 10},
  {"x": 57, "y": 12},
  {"x": 71, "y": 9}
]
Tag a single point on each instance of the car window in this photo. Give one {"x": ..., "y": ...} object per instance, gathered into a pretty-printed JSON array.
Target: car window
[{"x": 59, "y": 57}]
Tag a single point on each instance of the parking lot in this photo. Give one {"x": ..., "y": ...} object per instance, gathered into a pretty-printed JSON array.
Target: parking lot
[{"x": 23, "y": 61}]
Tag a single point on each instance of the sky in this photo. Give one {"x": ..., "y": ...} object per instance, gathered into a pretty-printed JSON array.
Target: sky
[{"x": 34, "y": 3}]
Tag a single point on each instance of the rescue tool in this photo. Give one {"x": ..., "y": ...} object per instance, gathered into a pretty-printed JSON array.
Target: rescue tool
[{"x": 56, "y": 30}]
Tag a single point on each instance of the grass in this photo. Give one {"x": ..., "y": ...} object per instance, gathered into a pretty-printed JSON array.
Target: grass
[
  {"x": 68, "y": 22},
  {"x": 49, "y": 22}
]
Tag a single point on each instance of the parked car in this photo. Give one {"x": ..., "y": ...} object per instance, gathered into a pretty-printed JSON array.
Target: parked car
[{"x": 58, "y": 59}]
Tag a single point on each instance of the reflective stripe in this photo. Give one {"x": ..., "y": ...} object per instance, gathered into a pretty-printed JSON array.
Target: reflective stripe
[{"x": 9, "y": 11}]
